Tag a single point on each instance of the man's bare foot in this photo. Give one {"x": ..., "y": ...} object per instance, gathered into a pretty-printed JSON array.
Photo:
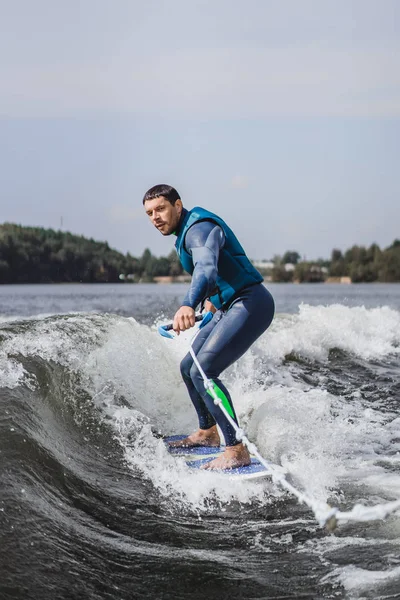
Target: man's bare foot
[
  {"x": 201, "y": 437},
  {"x": 232, "y": 458}
]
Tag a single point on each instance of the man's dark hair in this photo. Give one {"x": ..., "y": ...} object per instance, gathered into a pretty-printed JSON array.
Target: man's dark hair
[{"x": 167, "y": 191}]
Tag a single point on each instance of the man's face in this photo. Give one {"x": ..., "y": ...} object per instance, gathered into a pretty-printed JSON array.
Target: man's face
[{"x": 163, "y": 215}]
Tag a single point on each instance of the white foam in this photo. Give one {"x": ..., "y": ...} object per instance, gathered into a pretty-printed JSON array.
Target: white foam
[
  {"x": 182, "y": 487},
  {"x": 133, "y": 377},
  {"x": 356, "y": 580},
  {"x": 22, "y": 318},
  {"x": 318, "y": 438},
  {"x": 368, "y": 333},
  {"x": 64, "y": 339},
  {"x": 138, "y": 364},
  {"x": 12, "y": 372}
]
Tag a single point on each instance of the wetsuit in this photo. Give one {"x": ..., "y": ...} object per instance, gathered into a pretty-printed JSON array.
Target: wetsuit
[{"x": 240, "y": 320}]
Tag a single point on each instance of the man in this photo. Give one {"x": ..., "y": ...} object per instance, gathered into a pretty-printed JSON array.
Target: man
[{"x": 224, "y": 277}]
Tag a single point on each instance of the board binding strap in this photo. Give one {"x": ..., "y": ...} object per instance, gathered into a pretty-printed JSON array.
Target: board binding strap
[{"x": 196, "y": 457}]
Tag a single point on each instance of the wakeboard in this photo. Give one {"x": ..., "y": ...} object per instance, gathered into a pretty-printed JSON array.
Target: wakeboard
[{"x": 195, "y": 458}]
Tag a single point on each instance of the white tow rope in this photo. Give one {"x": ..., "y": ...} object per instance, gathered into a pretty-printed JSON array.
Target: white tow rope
[{"x": 327, "y": 516}]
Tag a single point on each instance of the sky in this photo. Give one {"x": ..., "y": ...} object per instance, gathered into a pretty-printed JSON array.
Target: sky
[{"x": 281, "y": 116}]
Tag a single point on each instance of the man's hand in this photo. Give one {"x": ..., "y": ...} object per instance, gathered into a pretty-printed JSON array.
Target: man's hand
[{"x": 183, "y": 319}]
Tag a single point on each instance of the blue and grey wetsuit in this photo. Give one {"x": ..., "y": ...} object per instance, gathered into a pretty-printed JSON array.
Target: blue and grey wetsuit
[{"x": 209, "y": 249}]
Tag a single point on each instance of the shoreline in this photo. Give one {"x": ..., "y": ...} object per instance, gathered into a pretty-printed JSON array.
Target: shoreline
[{"x": 173, "y": 281}]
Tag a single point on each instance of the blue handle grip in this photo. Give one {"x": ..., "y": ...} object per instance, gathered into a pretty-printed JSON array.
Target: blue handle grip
[{"x": 165, "y": 329}]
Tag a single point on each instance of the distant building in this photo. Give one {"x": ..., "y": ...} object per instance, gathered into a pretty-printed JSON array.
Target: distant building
[
  {"x": 263, "y": 264},
  {"x": 342, "y": 279}
]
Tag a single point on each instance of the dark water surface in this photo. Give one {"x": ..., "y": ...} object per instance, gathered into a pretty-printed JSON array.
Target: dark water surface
[{"x": 91, "y": 504}]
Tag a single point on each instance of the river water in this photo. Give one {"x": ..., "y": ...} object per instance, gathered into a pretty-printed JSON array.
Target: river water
[{"x": 91, "y": 504}]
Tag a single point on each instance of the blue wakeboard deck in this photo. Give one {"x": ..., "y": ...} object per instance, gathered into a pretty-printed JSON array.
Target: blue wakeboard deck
[
  {"x": 200, "y": 451},
  {"x": 197, "y": 457},
  {"x": 252, "y": 471}
]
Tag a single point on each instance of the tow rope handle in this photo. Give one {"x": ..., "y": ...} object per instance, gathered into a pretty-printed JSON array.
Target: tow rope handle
[{"x": 164, "y": 330}]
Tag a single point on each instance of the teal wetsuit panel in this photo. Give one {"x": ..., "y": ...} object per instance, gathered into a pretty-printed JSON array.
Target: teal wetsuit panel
[{"x": 203, "y": 241}]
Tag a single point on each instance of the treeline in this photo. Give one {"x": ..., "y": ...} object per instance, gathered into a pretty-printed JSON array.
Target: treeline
[
  {"x": 358, "y": 264},
  {"x": 36, "y": 255},
  {"x": 367, "y": 264}
]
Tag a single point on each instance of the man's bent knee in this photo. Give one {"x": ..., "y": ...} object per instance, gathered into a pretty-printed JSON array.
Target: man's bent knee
[{"x": 186, "y": 365}]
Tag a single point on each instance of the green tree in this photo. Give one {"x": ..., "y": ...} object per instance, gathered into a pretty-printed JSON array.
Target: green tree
[
  {"x": 389, "y": 269},
  {"x": 307, "y": 272},
  {"x": 175, "y": 267},
  {"x": 279, "y": 274},
  {"x": 336, "y": 255},
  {"x": 291, "y": 257}
]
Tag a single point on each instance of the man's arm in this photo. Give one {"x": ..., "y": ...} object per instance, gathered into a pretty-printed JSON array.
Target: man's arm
[{"x": 203, "y": 241}]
